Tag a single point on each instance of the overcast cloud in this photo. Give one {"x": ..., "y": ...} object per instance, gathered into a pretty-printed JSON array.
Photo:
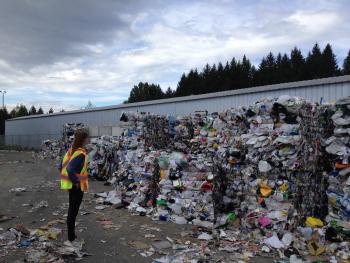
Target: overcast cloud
[{"x": 62, "y": 53}]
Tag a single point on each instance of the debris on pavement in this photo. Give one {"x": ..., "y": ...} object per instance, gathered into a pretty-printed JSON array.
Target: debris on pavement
[
  {"x": 4, "y": 218},
  {"x": 41, "y": 244},
  {"x": 271, "y": 179},
  {"x": 18, "y": 190},
  {"x": 138, "y": 244}
]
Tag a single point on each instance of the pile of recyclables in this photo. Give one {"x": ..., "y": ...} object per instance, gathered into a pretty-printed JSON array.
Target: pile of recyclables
[
  {"x": 275, "y": 173},
  {"x": 51, "y": 149},
  {"x": 68, "y": 133},
  {"x": 103, "y": 157},
  {"x": 55, "y": 149},
  {"x": 338, "y": 148}
]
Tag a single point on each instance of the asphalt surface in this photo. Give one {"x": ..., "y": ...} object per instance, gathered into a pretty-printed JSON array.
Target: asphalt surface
[{"x": 41, "y": 178}]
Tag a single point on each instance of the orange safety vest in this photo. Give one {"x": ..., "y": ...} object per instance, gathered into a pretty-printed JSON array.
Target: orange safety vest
[{"x": 66, "y": 183}]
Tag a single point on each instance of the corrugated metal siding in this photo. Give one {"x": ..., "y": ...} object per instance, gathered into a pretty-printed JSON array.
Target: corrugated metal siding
[{"x": 31, "y": 132}]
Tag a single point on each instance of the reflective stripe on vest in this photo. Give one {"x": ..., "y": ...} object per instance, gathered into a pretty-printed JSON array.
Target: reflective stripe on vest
[{"x": 66, "y": 183}]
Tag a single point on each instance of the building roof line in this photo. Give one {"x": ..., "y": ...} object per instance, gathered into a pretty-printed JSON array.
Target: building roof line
[{"x": 288, "y": 85}]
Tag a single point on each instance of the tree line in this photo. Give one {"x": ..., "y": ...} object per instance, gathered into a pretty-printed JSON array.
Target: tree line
[{"x": 240, "y": 74}]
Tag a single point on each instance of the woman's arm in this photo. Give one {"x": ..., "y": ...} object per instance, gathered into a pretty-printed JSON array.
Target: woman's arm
[{"x": 74, "y": 167}]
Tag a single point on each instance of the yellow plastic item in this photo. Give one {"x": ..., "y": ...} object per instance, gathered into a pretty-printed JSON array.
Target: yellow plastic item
[
  {"x": 284, "y": 187},
  {"x": 40, "y": 232},
  {"x": 333, "y": 200},
  {"x": 315, "y": 249},
  {"x": 162, "y": 174},
  {"x": 314, "y": 222},
  {"x": 52, "y": 235},
  {"x": 47, "y": 234},
  {"x": 265, "y": 190}
]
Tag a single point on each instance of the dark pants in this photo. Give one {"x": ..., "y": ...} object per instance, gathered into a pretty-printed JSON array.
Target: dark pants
[{"x": 75, "y": 198}]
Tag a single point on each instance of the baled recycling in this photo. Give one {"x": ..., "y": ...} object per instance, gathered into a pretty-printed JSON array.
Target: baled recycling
[
  {"x": 103, "y": 157},
  {"x": 275, "y": 174}
]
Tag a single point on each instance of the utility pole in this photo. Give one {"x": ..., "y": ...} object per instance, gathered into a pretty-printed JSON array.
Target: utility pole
[{"x": 3, "y": 98}]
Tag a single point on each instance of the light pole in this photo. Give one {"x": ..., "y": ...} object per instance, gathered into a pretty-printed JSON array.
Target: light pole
[{"x": 3, "y": 98}]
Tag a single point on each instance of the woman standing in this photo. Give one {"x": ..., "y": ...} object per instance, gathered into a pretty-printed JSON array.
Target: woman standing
[{"x": 74, "y": 177}]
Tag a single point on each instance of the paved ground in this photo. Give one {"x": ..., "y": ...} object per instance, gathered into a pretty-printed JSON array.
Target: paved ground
[{"x": 19, "y": 169}]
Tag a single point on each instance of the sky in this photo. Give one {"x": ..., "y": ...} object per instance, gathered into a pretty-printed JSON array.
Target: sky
[{"x": 64, "y": 53}]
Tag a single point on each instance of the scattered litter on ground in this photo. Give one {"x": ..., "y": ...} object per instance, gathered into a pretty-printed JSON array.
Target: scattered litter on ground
[
  {"x": 138, "y": 245},
  {"x": 41, "y": 244},
  {"x": 18, "y": 190},
  {"x": 271, "y": 179},
  {"x": 4, "y": 218}
]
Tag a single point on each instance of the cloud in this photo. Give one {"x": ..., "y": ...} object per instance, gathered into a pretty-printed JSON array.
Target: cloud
[
  {"x": 63, "y": 53},
  {"x": 314, "y": 22},
  {"x": 44, "y": 31}
]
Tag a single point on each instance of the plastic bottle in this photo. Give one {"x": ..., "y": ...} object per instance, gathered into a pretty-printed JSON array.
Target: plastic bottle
[{"x": 231, "y": 217}]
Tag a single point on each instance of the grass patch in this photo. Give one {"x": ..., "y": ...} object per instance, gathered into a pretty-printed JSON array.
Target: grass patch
[{"x": 5, "y": 147}]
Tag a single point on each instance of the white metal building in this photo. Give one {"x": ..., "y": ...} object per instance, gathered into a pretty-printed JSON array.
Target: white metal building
[{"x": 30, "y": 131}]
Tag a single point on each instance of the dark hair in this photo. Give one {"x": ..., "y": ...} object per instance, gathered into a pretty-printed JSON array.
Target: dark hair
[{"x": 79, "y": 137}]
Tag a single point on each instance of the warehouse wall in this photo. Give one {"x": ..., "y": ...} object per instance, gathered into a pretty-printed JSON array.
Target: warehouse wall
[{"x": 32, "y": 130}]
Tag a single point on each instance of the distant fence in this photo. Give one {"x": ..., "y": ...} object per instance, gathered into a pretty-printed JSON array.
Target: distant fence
[{"x": 29, "y": 141}]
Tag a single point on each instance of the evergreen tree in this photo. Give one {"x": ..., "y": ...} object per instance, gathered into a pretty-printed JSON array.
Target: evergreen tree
[
  {"x": 253, "y": 74},
  {"x": 270, "y": 69},
  {"x": 346, "y": 64},
  {"x": 283, "y": 68},
  {"x": 209, "y": 79},
  {"x": 181, "y": 86},
  {"x": 329, "y": 63},
  {"x": 314, "y": 63},
  {"x": 238, "y": 74},
  {"x": 259, "y": 78},
  {"x": 50, "y": 110},
  {"x": 32, "y": 110},
  {"x": 169, "y": 93},
  {"x": 40, "y": 111},
  {"x": 226, "y": 75},
  {"x": 233, "y": 64},
  {"x": 246, "y": 77},
  {"x": 278, "y": 59},
  {"x": 4, "y": 115},
  {"x": 144, "y": 92},
  {"x": 266, "y": 74},
  {"x": 13, "y": 113},
  {"x": 213, "y": 79},
  {"x": 21, "y": 111},
  {"x": 233, "y": 74},
  {"x": 205, "y": 76},
  {"x": 278, "y": 67},
  {"x": 153, "y": 92},
  {"x": 220, "y": 77},
  {"x": 193, "y": 83},
  {"x": 297, "y": 64},
  {"x": 198, "y": 82},
  {"x": 89, "y": 105}
]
